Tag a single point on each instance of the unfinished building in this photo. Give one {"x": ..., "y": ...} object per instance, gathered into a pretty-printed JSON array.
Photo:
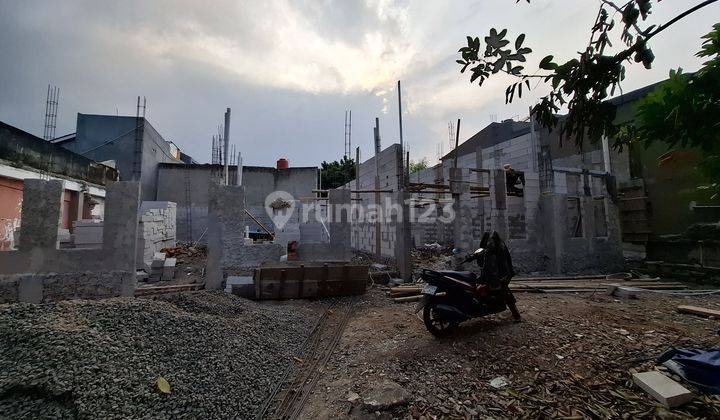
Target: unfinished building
[
  {"x": 188, "y": 186},
  {"x": 558, "y": 220}
]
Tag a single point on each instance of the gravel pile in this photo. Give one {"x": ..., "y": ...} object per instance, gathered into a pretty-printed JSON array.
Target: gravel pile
[{"x": 221, "y": 354}]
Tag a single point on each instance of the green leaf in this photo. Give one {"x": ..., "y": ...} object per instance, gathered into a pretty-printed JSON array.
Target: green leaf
[
  {"x": 547, "y": 64},
  {"x": 519, "y": 41}
]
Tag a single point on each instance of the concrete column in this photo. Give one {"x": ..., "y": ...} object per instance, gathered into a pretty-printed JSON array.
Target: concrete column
[
  {"x": 459, "y": 191},
  {"x": 40, "y": 214},
  {"x": 403, "y": 238},
  {"x": 551, "y": 221},
  {"x": 226, "y": 229},
  {"x": 499, "y": 194},
  {"x": 122, "y": 203},
  {"x": 340, "y": 204},
  {"x": 80, "y": 205}
]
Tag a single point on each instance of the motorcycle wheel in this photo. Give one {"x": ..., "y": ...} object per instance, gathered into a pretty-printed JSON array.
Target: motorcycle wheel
[{"x": 435, "y": 324}]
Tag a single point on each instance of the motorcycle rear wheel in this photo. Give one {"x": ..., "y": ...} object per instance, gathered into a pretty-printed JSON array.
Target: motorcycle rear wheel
[{"x": 435, "y": 324}]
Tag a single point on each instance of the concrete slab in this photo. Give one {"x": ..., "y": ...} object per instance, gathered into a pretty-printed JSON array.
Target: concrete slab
[{"x": 668, "y": 392}]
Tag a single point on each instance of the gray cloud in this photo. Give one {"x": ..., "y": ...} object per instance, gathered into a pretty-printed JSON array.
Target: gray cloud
[{"x": 288, "y": 69}]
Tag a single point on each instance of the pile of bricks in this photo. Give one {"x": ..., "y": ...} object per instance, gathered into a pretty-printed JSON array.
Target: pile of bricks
[
  {"x": 161, "y": 268},
  {"x": 157, "y": 230}
]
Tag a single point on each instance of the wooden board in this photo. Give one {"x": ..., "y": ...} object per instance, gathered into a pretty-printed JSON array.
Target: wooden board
[{"x": 696, "y": 310}]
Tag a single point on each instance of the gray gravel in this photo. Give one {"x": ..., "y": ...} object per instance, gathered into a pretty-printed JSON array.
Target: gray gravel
[{"x": 221, "y": 354}]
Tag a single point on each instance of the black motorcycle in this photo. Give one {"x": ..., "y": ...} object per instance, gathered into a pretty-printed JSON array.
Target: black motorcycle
[{"x": 451, "y": 297}]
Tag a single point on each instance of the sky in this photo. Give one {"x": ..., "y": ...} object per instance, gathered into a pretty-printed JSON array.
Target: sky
[{"x": 289, "y": 69}]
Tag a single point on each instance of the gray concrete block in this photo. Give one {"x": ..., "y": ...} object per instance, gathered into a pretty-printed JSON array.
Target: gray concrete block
[{"x": 666, "y": 391}]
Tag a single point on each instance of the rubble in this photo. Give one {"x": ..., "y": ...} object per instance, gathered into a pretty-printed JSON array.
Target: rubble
[
  {"x": 451, "y": 378},
  {"x": 101, "y": 359}
]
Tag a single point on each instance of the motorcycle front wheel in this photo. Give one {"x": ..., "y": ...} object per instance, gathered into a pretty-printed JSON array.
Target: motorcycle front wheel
[{"x": 435, "y": 323}]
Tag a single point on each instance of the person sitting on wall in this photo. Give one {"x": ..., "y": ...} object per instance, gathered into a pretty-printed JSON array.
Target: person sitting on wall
[{"x": 514, "y": 181}]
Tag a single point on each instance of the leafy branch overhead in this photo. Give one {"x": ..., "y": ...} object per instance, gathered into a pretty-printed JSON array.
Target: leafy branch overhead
[{"x": 580, "y": 84}]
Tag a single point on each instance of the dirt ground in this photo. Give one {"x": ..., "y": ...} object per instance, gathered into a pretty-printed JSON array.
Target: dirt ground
[{"x": 572, "y": 357}]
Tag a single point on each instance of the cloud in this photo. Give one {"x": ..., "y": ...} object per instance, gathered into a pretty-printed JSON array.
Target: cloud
[{"x": 289, "y": 69}]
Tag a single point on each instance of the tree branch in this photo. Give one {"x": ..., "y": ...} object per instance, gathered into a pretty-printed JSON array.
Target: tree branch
[{"x": 627, "y": 53}]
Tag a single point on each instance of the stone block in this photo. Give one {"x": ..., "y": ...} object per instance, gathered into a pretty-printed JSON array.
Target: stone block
[{"x": 668, "y": 392}]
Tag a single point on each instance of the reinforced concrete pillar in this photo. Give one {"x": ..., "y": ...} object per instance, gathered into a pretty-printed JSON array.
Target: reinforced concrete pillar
[
  {"x": 459, "y": 192},
  {"x": 226, "y": 229},
  {"x": 122, "y": 203},
  {"x": 340, "y": 204},
  {"x": 403, "y": 238},
  {"x": 40, "y": 214},
  {"x": 499, "y": 197}
]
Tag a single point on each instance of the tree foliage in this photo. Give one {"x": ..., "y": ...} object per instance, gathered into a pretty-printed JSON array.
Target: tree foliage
[
  {"x": 580, "y": 84},
  {"x": 336, "y": 174},
  {"x": 418, "y": 166},
  {"x": 684, "y": 112}
]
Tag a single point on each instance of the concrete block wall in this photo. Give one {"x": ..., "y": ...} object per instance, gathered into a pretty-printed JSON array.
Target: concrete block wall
[
  {"x": 40, "y": 272},
  {"x": 340, "y": 228},
  {"x": 189, "y": 186},
  {"x": 156, "y": 230},
  {"x": 227, "y": 253},
  {"x": 364, "y": 234}
]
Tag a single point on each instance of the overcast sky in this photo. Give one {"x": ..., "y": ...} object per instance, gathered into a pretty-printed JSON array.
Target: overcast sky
[{"x": 290, "y": 69}]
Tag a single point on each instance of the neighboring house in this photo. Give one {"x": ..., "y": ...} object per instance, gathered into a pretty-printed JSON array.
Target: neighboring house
[
  {"x": 494, "y": 133},
  {"x": 654, "y": 188},
  {"x": 23, "y": 156},
  {"x": 132, "y": 142}
]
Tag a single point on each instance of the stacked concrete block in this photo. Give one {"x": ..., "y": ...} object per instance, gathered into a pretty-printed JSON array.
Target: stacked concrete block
[
  {"x": 156, "y": 230},
  {"x": 156, "y": 269},
  {"x": 168, "y": 271}
]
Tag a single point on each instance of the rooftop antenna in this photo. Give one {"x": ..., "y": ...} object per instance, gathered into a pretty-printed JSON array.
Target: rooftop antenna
[
  {"x": 51, "y": 105},
  {"x": 451, "y": 133}
]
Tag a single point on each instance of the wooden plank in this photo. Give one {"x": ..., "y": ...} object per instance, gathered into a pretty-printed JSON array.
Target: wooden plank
[
  {"x": 408, "y": 299},
  {"x": 697, "y": 310}
]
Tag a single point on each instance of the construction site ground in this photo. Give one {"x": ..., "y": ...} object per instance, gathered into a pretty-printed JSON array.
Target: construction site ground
[
  {"x": 354, "y": 357},
  {"x": 571, "y": 357}
]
